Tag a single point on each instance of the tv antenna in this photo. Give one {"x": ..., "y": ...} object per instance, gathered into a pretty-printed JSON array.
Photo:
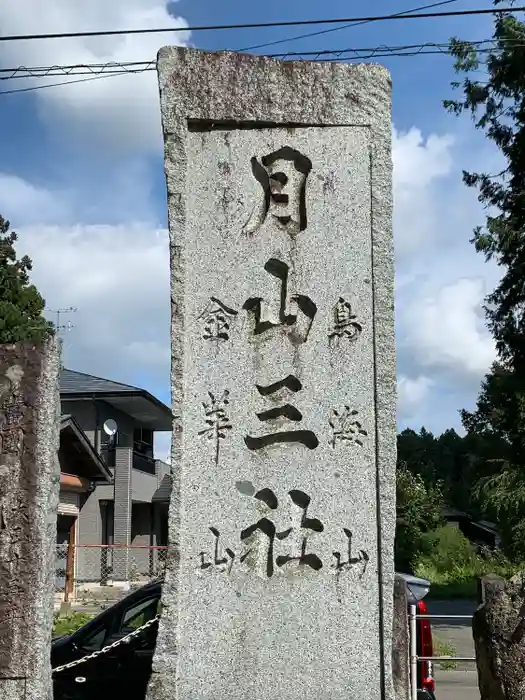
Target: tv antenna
[{"x": 60, "y": 328}]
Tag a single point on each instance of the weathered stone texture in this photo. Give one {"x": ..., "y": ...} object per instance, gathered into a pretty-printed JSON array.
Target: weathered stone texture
[
  {"x": 283, "y": 380},
  {"x": 401, "y": 642},
  {"x": 29, "y": 483},
  {"x": 499, "y": 638}
]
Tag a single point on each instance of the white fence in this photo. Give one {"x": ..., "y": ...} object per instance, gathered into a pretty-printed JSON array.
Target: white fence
[{"x": 415, "y": 659}]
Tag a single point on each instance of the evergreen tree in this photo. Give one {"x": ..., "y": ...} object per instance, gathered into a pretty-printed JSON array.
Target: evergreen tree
[
  {"x": 21, "y": 306},
  {"x": 497, "y": 105}
]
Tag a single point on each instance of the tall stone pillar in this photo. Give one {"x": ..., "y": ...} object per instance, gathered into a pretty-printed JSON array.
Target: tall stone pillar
[
  {"x": 283, "y": 380},
  {"x": 29, "y": 486}
]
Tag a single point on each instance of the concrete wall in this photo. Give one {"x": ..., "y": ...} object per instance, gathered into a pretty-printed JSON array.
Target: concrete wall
[{"x": 29, "y": 491}]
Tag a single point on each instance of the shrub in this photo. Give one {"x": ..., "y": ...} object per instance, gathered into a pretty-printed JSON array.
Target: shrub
[
  {"x": 69, "y": 623},
  {"x": 453, "y": 565},
  {"x": 418, "y": 512},
  {"x": 446, "y": 549}
]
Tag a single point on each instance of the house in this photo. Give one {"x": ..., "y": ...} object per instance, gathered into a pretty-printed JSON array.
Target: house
[
  {"x": 81, "y": 469},
  {"x": 127, "y": 509}
]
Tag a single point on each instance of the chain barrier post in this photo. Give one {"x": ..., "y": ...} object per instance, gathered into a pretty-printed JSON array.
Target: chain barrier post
[
  {"x": 413, "y": 651},
  {"x": 104, "y": 650}
]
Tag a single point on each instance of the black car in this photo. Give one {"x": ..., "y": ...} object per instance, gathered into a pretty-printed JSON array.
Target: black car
[
  {"x": 120, "y": 672},
  {"x": 123, "y": 670}
]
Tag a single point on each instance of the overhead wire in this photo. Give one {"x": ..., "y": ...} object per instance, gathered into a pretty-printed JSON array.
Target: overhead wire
[
  {"x": 403, "y": 50},
  {"x": 381, "y": 51},
  {"x": 262, "y": 25},
  {"x": 64, "y": 82},
  {"x": 108, "y": 68},
  {"x": 337, "y": 29},
  {"x": 337, "y": 57}
]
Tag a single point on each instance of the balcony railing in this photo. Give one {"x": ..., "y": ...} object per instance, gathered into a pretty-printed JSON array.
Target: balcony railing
[{"x": 143, "y": 463}]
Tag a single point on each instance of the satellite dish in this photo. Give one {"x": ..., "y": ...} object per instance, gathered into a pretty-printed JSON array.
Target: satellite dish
[{"x": 110, "y": 427}]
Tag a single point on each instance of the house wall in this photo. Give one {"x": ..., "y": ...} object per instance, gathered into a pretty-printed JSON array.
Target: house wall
[
  {"x": 122, "y": 522},
  {"x": 89, "y": 413},
  {"x": 84, "y": 413},
  {"x": 89, "y": 560},
  {"x": 143, "y": 486},
  {"x": 125, "y": 423}
]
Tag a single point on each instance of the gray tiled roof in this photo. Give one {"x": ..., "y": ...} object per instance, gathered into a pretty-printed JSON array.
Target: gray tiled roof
[{"x": 72, "y": 382}]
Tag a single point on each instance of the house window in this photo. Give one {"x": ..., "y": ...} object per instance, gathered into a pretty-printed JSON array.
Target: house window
[{"x": 143, "y": 442}]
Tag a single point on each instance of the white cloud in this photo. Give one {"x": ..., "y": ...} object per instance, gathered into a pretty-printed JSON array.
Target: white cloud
[
  {"x": 411, "y": 393},
  {"x": 419, "y": 166},
  {"x": 16, "y": 193},
  {"x": 417, "y": 161},
  {"x": 441, "y": 281},
  {"x": 124, "y": 110},
  {"x": 118, "y": 279},
  {"x": 449, "y": 329}
]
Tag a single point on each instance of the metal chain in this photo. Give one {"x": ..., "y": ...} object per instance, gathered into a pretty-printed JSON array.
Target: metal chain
[{"x": 104, "y": 650}]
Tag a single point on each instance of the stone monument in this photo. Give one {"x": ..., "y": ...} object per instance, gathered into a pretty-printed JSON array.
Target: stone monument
[
  {"x": 498, "y": 629},
  {"x": 280, "y": 584},
  {"x": 29, "y": 483}
]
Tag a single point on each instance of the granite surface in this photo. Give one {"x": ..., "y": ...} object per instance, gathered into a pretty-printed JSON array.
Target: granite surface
[
  {"x": 280, "y": 581},
  {"x": 401, "y": 642},
  {"x": 498, "y": 628},
  {"x": 29, "y": 484}
]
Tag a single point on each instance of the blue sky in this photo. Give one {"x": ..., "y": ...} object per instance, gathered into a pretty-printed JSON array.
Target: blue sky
[{"x": 81, "y": 179}]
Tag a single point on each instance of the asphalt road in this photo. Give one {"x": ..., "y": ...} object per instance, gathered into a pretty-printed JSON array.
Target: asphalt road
[
  {"x": 457, "y": 685},
  {"x": 462, "y": 682}
]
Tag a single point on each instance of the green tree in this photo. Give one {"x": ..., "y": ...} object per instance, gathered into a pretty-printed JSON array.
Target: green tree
[
  {"x": 21, "y": 306},
  {"x": 499, "y": 489},
  {"x": 496, "y": 104},
  {"x": 417, "y": 451},
  {"x": 419, "y": 509}
]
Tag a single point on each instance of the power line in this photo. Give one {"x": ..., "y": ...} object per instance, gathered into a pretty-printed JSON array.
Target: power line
[
  {"x": 77, "y": 69},
  {"x": 262, "y": 25},
  {"x": 404, "y": 50},
  {"x": 116, "y": 68},
  {"x": 338, "y": 57},
  {"x": 65, "y": 82},
  {"x": 337, "y": 29},
  {"x": 407, "y": 54}
]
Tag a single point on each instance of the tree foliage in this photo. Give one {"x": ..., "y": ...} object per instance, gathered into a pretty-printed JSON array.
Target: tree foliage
[
  {"x": 21, "y": 306},
  {"x": 496, "y": 104},
  {"x": 419, "y": 511}
]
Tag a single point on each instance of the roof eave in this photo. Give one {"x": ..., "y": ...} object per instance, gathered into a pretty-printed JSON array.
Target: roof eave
[
  {"x": 103, "y": 469},
  {"x": 140, "y": 393}
]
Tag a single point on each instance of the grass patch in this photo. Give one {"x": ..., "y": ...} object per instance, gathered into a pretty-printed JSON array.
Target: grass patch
[
  {"x": 444, "y": 648},
  {"x": 68, "y": 623}
]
